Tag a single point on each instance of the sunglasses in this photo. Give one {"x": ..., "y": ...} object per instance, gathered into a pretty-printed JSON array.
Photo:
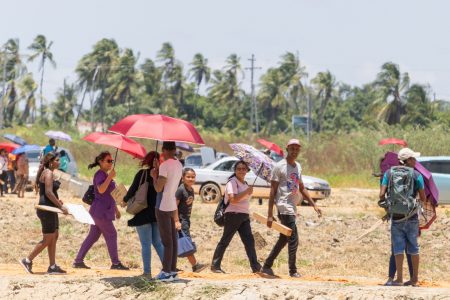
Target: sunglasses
[{"x": 109, "y": 161}]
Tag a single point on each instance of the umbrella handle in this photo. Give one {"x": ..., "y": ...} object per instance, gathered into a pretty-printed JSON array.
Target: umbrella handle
[
  {"x": 115, "y": 157},
  {"x": 257, "y": 174}
]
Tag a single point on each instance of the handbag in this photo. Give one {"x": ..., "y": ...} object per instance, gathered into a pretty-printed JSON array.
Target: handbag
[
  {"x": 219, "y": 215},
  {"x": 185, "y": 245},
  {"x": 89, "y": 195},
  {"x": 139, "y": 201}
]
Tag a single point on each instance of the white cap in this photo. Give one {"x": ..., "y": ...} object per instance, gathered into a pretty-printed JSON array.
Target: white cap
[
  {"x": 293, "y": 142},
  {"x": 406, "y": 153}
]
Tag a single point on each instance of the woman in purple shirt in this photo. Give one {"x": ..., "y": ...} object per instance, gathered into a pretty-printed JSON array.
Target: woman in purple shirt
[{"x": 103, "y": 210}]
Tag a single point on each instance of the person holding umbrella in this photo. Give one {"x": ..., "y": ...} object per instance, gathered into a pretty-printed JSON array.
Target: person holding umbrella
[
  {"x": 48, "y": 196},
  {"x": 145, "y": 220},
  {"x": 237, "y": 218},
  {"x": 103, "y": 210},
  {"x": 286, "y": 187},
  {"x": 166, "y": 178}
]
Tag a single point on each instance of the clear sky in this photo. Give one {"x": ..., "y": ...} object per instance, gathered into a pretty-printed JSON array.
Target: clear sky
[{"x": 351, "y": 38}]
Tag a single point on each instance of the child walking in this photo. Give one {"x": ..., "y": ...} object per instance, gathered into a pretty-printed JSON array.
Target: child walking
[{"x": 185, "y": 200}]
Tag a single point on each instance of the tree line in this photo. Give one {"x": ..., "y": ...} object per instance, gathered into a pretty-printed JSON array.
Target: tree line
[{"x": 114, "y": 84}]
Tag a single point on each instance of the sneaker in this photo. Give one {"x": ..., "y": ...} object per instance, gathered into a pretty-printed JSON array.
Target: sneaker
[
  {"x": 55, "y": 271},
  {"x": 28, "y": 266},
  {"x": 267, "y": 271},
  {"x": 198, "y": 267},
  {"x": 119, "y": 266},
  {"x": 389, "y": 282},
  {"x": 80, "y": 265},
  {"x": 174, "y": 276},
  {"x": 217, "y": 270},
  {"x": 165, "y": 277},
  {"x": 295, "y": 275}
]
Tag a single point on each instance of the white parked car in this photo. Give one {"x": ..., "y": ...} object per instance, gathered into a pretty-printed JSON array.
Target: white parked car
[
  {"x": 210, "y": 182},
  {"x": 439, "y": 166}
]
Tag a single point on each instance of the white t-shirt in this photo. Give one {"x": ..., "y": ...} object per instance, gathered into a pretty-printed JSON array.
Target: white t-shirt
[
  {"x": 288, "y": 194},
  {"x": 172, "y": 170}
]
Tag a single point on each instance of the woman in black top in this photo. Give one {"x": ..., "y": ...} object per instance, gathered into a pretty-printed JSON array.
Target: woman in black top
[
  {"x": 48, "y": 196},
  {"x": 145, "y": 220}
]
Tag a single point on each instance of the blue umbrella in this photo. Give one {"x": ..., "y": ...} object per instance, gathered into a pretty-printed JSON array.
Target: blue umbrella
[
  {"x": 15, "y": 139},
  {"x": 26, "y": 148}
]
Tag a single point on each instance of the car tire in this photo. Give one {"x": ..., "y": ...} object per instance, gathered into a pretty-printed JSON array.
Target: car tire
[{"x": 210, "y": 193}]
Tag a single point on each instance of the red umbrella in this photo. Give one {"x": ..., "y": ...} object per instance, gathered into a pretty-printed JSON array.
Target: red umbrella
[
  {"x": 120, "y": 142},
  {"x": 393, "y": 141},
  {"x": 271, "y": 146},
  {"x": 9, "y": 147},
  {"x": 157, "y": 127}
]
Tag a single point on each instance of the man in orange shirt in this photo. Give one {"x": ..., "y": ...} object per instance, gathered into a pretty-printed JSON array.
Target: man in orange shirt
[{"x": 11, "y": 172}]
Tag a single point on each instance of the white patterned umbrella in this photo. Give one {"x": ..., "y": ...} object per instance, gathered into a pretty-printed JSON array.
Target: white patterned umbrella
[{"x": 260, "y": 163}]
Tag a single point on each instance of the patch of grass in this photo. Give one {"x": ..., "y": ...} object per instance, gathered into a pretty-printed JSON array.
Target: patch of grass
[
  {"x": 447, "y": 213},
  {"x": 213, "y": 292}
]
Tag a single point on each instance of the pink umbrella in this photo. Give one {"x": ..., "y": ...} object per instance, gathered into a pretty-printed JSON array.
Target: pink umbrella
[
  {"x": 119, "y": 142},
  {"x": 157, "y": 127}
]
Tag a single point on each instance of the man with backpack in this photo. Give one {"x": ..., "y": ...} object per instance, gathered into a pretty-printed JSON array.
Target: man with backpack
[{"x": 399, "y": 188}]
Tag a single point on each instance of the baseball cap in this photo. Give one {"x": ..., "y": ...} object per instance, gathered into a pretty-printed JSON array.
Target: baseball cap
[
  {"x": 293, "y": 142},
  {"x": 406, "y": 153}
]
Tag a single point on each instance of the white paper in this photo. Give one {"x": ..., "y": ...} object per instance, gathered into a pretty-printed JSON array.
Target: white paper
[{"x": 79, "y": 213}]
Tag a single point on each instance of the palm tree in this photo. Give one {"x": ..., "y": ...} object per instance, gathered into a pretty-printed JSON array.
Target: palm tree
[
  {"x": 391, "y": 85},
  {"x": 231, "y": 80},
  {"x": 200, "y": 71},
  {"x": 292, "y": 73},
  {"x": 325, "y": 83},
  {"x": 27, "y": 87},
  {"x": 66, "y": 100},
  {"x": 41, "y": 49},
  {"x": 272, "y": 94},
  {"x": 418, "y": 110}
]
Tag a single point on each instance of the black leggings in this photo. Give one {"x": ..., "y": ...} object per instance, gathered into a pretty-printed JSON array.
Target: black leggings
[{"x": 4, "y": 178}]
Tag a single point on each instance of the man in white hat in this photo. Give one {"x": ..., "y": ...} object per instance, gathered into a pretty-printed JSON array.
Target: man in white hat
[
  {"x": 286, "y": 187},
  {"x": 405, "y": 229}
]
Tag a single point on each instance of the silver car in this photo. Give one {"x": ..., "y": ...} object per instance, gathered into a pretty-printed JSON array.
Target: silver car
[
  {"x": 439, "y": 166},
  {"x": 210, "y": 182}
]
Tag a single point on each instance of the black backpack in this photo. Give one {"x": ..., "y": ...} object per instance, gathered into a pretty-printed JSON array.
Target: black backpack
[
  {"x": 219, "y": 215},
  {"x": 89, "y": 195}
]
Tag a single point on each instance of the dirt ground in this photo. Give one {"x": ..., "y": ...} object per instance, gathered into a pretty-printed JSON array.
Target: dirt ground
[{"x": 333, "y": 264}]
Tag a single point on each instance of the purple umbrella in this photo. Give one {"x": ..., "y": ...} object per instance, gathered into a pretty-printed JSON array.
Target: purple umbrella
[
  {"x": 184, "y": 146},
  {"x": 58, "y": 135},
  {"x": 260, "y": 164}
]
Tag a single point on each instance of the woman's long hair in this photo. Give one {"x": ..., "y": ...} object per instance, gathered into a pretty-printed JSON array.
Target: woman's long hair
[
  {"x": 99, "y": 157},
  {"x": 240, "y": 162},
  {"x": 45, "y": 164},
  {"x": 149, "y": 158}
]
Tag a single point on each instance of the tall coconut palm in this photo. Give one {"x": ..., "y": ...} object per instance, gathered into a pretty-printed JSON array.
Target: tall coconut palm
[
  {"x": 391, "y": 85},
  {"x": 292, "y": 72},
  {"x": 41, "y": 50},
  {"x": 232, "y": 78},
  {"x": 63, "y": 109},
  {"x": 27, "y": 87},
  {"x": 200, "y": 71},
  {"x": 272, "y": 95},
  {"x": 325, "y": 84}
]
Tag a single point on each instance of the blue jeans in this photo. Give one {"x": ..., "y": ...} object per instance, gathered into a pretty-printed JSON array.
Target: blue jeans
[
  {"x": 148, "y": 235},
  {"x": 404, "y": 236}
]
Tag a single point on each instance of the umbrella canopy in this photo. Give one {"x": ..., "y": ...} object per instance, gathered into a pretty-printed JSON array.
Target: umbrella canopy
[
  {"x": 271, "y": 146},
  {"x": 15, "y": 139},
  {"x": 260, "y": 164},
  {"x": 26, "y": 148},
  {"x": 393, "y": 141},
  {"x": 157, "y": 127},
  {"x": 428, "y": 213},
  {"x": 58, "y": 135},
  {"x": 184, "y": 146},
  {"x": 9, "y": 147},
  {"x": 120, "y": 142}
]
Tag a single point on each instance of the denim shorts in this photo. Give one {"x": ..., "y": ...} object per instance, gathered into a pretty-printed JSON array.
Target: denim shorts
[{"x": 404, "y": 236}]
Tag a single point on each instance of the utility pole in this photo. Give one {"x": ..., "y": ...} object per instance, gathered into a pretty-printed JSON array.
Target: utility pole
[
  {"x": 309, "y": 125},
  {"x": 4, "y": 88},
  {"x": 254, "y": 106}
]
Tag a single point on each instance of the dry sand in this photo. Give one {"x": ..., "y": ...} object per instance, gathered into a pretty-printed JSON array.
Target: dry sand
[{"x": 333, "y": 265}]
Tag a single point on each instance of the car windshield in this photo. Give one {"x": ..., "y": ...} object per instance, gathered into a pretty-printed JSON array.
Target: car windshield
[
  {"x": 435, "y": 166},
  {"x": 226, "y": 166},
  {"x": 195, "y": 160},
  {"x": 33, "y": 156}
]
